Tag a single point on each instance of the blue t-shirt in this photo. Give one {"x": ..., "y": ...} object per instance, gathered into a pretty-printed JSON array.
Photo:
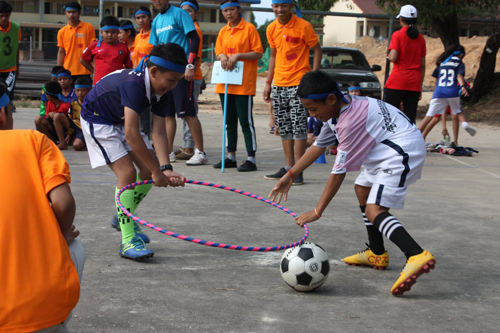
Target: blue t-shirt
[
  {"x": 71, "y": 97},
  {"x": 172, "y": 27},
  {"x": 447, "y": 85},
  {"x": 105, "y": 103}
]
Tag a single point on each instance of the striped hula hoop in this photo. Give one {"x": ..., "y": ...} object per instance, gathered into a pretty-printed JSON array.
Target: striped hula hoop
[{"x": 207, "y": 243}]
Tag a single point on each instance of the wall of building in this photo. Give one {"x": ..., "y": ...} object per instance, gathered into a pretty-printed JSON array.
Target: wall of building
[{"x": 341, "y": 29}]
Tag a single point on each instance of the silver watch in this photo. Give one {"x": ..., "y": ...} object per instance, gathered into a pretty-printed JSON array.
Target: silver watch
[{"x": 190, "y": 66}]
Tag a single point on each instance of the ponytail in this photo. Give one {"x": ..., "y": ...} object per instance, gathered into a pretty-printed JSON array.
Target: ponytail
[
  {"x": 412, "y": 30},
  {"x": 449, "y": 52}
]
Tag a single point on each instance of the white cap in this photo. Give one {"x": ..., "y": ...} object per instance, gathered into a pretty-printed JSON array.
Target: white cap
[{"x": 408, "y": 11}]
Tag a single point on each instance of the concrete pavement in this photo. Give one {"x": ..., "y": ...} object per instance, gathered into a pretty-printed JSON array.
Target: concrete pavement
[{"x": 185, "y": 287}]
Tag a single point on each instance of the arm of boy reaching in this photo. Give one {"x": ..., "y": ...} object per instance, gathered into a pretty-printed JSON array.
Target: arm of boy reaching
[
  {"x": 283, "y": 186},
  {"x": 134, "y": 139},
  {"x": 193, "y": 51},
  {"x": 330, "y": 191}
]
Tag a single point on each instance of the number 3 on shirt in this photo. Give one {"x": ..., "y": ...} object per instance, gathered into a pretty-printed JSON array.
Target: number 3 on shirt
[{"x": 446, "y": 74}]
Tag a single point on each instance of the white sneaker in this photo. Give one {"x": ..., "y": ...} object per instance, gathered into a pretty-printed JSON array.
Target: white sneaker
[
  {"x": 470, "y": 130},
  {"x": 171, "y": 157},
  {"x": 199, "y": 158}
]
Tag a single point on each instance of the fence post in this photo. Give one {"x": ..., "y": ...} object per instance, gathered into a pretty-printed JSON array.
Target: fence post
[
  {"x": 212, "y": 53},
  {"x": 31, "y": 48}
]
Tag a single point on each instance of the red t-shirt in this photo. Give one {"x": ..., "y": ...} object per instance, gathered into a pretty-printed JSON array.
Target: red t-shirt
[
  {"x": 51, "y": 107},
  {"x": 406, "y": 73},
  {"x": 107, "y": 58}
]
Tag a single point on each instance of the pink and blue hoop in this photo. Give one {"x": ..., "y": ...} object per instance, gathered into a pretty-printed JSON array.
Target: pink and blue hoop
[{"x": 207, "y": 243}]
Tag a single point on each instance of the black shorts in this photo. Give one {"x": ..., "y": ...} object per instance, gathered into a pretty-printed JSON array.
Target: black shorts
[
  {"x": 75, "y": 131},
  {"x": 183, "y": 100}
]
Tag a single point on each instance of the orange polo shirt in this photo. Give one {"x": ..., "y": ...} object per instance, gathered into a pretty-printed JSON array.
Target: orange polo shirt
[
  {"x": 38, "y": 281},
  {"x": 141, "y": 47},
  {"x": 292, "y": 43},
  {"x": 197, "y": 74},
  {"x": 242, "y": 39},
  {"x": 74, "y": 41},
  {"x": 12, "y": 69}
]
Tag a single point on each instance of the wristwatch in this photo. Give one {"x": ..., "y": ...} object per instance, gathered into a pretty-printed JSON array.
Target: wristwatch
[
  {"x": 190, "y": 66},
  {"x": 166, "y": 167}
]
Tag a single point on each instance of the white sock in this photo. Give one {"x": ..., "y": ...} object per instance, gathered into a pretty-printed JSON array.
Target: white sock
[
  {"x": 288, "y": 168},
  {"x": 251, "y": 159},
  {"x": 232, "y": 157},
  {"x": 465, "y": 124}
]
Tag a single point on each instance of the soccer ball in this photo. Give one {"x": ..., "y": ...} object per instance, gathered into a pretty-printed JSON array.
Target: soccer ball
[{"x": 305, "y": 267}]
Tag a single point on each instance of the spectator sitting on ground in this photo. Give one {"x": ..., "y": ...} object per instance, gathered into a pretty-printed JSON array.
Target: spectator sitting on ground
[
  {"x": 43, "y": 98},
  {"x": 73, "y": 125},
  {"x": 66, "y": 80},
  {"x": 51, "y": 124}
]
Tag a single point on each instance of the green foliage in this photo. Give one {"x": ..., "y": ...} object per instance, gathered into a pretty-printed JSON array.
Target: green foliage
[
  {"x": 431, "y": 10},
  {"x": 324, "y": 5},
  {"x": 252, "y": 19},
  {"x": 262, "y": 33}
]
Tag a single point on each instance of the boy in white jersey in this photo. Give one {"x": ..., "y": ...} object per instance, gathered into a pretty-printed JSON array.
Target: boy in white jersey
[{"x": 379, "y": 138}]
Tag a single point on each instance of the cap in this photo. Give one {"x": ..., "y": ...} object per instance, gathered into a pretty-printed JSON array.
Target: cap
[{"x": 408, "y": 11}]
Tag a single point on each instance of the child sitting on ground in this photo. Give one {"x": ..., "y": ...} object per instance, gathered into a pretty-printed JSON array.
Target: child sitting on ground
[
  {"x": 65, "y": 80},
  {"x": 55, "y": 113},
  {"x": 74, "y": 128},
  {"x": 43, "y": 98},
  {"x": 108, "y": 54}
]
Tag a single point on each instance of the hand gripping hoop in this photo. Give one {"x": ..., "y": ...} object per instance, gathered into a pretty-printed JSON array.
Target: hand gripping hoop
[{"x": 207, "y": 243}]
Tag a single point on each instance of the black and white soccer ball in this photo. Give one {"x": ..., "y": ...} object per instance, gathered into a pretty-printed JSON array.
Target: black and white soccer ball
[{"x": 305, "y": 267}]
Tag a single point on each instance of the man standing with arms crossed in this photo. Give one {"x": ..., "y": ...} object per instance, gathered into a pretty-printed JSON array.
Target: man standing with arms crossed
[
  {"x": 72, "y": 40},
  {"x": 290, "y": 38}
]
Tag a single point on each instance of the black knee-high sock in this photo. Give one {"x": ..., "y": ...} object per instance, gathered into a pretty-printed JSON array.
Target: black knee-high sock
[
  {"x": 391, "y": 228},
  {"x": 375, "y": 238}
]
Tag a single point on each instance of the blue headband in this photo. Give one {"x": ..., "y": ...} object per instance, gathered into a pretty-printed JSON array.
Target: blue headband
[
  {"x": 325, "y": 95},
  {"x": 71, "y": 8},
  {"x": 142, "y": 12},
  {"x": 230, "y": 4},
  {"x": 189, "y": 4},
  {"x": 299, "y": 13},
  {"x": 59, "y": 96},
  {"x": 452, "y": 55},
  {"x": 83, "y": 86},
  {"x": 127, "y": 27},
  {"x": 160, "y": 62},
  {"x": 354, "y": 88},
  {"x": 4, "y": 100},
  {"x": 53, "y": 75},
  {"x": 64, "y": 74},
  {"x": 106, "y": 27}
]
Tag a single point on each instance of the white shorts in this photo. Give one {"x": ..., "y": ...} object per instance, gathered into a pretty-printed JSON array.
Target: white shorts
[
  {"x": 106, "y": 143},
  {"x": 438, "y": 106},
  {"x": 383, "y": 195}
]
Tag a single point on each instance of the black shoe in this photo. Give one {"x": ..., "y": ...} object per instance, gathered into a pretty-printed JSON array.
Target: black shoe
[
  {"x": 227, "y": 164},
  {"x": 277, "y": 175},
  {"x": 247, "y": 166},
  {"x": 452, "y": 145},
  {"x": 299, "y": 180}
]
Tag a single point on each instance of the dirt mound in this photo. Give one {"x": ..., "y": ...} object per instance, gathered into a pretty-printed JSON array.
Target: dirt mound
[{"x": 376, "y": 52}]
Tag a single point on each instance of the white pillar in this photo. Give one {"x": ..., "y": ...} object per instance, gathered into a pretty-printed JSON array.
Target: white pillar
[{"x": 365, "y": 27}]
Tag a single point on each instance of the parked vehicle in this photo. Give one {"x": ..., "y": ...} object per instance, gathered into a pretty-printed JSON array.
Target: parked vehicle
[{"x": 348, "y": 64}]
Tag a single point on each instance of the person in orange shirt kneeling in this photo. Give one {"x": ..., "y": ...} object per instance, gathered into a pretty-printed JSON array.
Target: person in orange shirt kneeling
[
  {"x": 239, "y": 41},
  {"x": 39, "y": 287}
]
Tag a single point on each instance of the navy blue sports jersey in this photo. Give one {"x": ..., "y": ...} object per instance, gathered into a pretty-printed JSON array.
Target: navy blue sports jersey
[
  {"x": 447, "y": 85},
  {"x": 105, "y": 103}
]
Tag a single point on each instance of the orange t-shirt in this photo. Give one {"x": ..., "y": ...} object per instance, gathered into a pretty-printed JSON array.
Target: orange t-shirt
[
  {"x": 38, "y": 281},
  {"x": 292, "y": 43},
  {"x": 197, "y": 74},
  {"x": 74, "y": 41},
  {"x": 242, "y": 39},
  {"x": 141, "y": 47},
  {"x": 14, "y": 68}
]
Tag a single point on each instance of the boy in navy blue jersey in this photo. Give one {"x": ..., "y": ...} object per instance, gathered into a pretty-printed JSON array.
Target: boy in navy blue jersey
[
  {"x": 66, "y": 80},
  {"x": 110, "y": 124},
  {"x": 174, "y": 25},
  {"x": 449, "y": 75}
]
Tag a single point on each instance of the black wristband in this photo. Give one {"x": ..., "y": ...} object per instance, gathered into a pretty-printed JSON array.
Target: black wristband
[{"x": 166, "y": 167}]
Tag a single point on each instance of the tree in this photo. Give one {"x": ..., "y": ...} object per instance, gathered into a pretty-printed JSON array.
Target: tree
[
  {"x": 252, "y": 19},
  {"x": 443, "y": 15}
]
